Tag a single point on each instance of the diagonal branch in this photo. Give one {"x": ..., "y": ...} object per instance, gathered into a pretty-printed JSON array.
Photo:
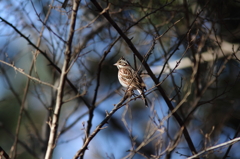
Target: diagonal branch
[
  {"x": 100, "y": 127},
  {"x": 231, "y": 142},
  {"x": 25, "y": 74},
  {"x": 47, "y": 57},
  {"x": 3, "y": 153},
  {"x": 160, "y": 89}
]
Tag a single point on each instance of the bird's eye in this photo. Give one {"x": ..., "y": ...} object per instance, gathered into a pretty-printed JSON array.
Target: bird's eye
[{"x": 121, "y": 63}]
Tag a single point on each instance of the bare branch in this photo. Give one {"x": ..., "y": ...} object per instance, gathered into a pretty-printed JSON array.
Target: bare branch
[
  {"x": 31, "y": 77},
  {"x": 231, "y": 142},
  {"x": 54, "y": 124},
  {"x": 99, "y": 127}
]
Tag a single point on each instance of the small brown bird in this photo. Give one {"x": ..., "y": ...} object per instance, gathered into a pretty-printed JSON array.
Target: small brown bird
[{"x": 130, "y": 78}]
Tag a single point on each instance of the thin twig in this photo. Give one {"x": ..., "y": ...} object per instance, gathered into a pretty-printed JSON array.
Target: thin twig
[
  {"x": 99, "y": 127},
  {"x": 91, "y": 110},
  {"x": 31, "y": 77},
  {"x": 3, "y": 153},
  {"x": 230, "y": 146},
  {"x": 215, "y": 147}
]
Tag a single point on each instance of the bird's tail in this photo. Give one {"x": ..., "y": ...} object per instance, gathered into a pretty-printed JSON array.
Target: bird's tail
[{"x": 143, "y": 97}]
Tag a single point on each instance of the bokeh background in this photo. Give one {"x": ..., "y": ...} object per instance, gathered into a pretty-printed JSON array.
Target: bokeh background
[{"x": 191, "y": 46}]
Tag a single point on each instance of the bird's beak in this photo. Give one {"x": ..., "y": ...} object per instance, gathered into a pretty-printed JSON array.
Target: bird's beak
[{"x": 115, "y": 64}]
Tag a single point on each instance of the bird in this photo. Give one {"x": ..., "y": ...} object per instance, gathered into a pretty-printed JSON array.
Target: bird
[{"x": 130, "y": 78}]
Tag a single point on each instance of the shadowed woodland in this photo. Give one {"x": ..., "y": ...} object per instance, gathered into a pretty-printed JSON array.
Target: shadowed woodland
[{"x": 60, "y": 95}]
